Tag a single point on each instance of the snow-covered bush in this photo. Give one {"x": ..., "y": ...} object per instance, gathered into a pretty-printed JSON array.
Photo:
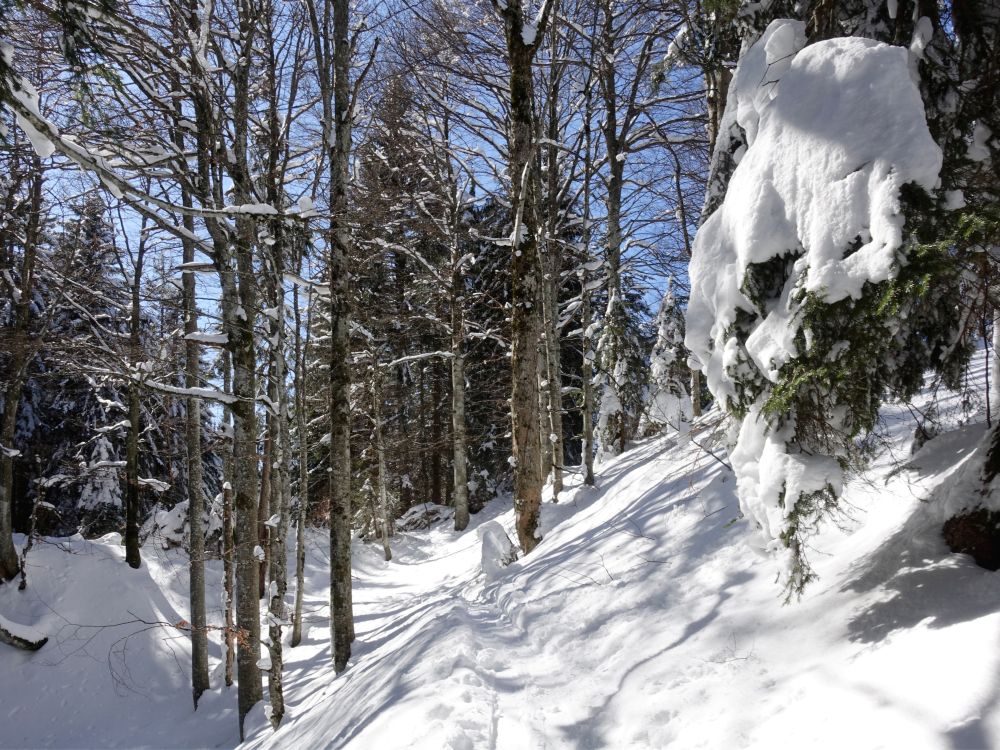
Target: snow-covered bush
[{"x": 811, "y": 283}]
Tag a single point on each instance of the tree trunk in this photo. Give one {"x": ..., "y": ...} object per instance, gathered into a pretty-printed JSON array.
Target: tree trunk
[
  {"x": 587, "y": 375},
  {"x": 586, "y": 318},
  {"x": 240, "y": 305},
  {"x": 264, "y": 502},
  {"x": 301, "y": 351},
  {"x": 228, "y": 542},
  {"x": 526, "y": 318},
  {"x": 280, "y": 439},
  {"x": 132, "y": 555},
  {"x": 383, "y": 495},
  {"x": 437, "y": 495},
  {"x": 20, "y": 355},
  {"x": 341, "y": 609},
  {"x": 458, "y": 433},
  {"x": 553, "y": 285}
]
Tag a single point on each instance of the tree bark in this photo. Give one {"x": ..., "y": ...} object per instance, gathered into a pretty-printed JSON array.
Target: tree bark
[
  {"x": 526, "y": 318},
  {"x": 553, "y": 283},
  {"x": 458, "y": 427},
  {"x": 301, "y": 352},
  {"x": 132, "y": 554},
  {"x": 264, "y": 501},
  {"x": 20, "y": 359},
  {"x": 341, "y": 608}
]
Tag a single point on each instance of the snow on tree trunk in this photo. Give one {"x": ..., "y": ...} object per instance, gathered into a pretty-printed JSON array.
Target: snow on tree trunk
[{"x": 811, "y": 224}]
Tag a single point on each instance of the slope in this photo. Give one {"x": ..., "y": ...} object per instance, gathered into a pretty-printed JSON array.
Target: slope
[{"x": 642, "y": 620}]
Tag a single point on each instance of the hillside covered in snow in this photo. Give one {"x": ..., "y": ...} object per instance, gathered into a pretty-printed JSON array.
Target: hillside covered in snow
[{"x": 642, "y": 620}]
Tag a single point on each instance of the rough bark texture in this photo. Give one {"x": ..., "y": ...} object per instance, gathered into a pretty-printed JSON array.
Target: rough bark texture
[
  {"x": 228, "y": 571},
  {"x": 240, "y": 302},
  {"x": 301, "y": 351},
  {"x": 526, "y": 292},
  {"x": 588, "y": 389},
  {"x": 383, "y": 495},
  {"x": 458, "y": 432},
  {"x": 553, "y": 285},
  {"x": 132, "y": 554},
  {"x": 264, "y": 502},
  {"x": 20, "y": 357},
  {"x": 281, "y": 482},
  {"x": 245, "y": 497},
  {"x": 617, "y": 434},
  {"x": 587, "y": 313},
  {"x": 341, "y": 609},
  {"x": 193, "y": 448},
  {"x": 196, "y": 500}
]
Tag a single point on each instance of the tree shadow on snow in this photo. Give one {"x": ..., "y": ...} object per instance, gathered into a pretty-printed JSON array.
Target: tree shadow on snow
[{"x": 921, "y": 581}]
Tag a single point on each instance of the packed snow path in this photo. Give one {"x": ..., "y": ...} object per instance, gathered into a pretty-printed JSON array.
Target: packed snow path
[{"x": 642, "y": 620}]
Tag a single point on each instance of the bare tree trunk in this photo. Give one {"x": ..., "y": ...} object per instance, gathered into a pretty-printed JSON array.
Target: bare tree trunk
[
  {"x": 280, "y": 440},
  {"x": 195, "y": 493},
  {"x": 553, "y": 282},
  {"x": 20, "y": 359},
  {"x": 544, "y": 445},
  {"x": 193, "y": 448},
  {"x": 264, "y": 502},
  {"x": 240, "y": 302},
  {"x": 132, "y": 554},
  {"x": 458, "y": 429},
  {"x": 301, "y": 351},
  {"x": 228, "y": 542},
  {"x": 341, "y": 608},
  {"x": 587, "y": 376},
  {"x": 587, "y": 313},
  {"x": 526, "y": 318},
  {"x": 696, "y": 393},
  {"x": 437, "y": 494},
  {"x": 383, "y": 495}
]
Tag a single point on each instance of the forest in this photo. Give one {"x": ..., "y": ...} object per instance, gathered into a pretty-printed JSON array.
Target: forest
[{"x": 335, "y": 331}]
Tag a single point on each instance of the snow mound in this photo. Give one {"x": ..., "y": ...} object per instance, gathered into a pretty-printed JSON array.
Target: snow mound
[{"x": 498, "y": 550}]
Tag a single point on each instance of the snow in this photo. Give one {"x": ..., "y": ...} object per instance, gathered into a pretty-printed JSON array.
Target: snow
[
  {"x": 255, "y": 209},
  {"x": 24, "y": 632},
  {"x": 216, "y": 338},
  {"x": 498, "y": 550},
  {"x": 27, "y": 95},
  {"x": 641, "y": 620},
  {"x": 833, "y": 131},
  {"x": 528, "y": 33},
  {"x": 978, "y": 149},
  {"x": 155, "y": 485}
]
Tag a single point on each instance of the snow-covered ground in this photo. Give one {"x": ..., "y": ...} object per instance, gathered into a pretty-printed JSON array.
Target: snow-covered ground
[{"x": 642, "y": 620}]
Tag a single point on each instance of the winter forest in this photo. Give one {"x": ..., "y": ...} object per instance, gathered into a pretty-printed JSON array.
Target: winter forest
[{"x": 500, "y": 373}]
